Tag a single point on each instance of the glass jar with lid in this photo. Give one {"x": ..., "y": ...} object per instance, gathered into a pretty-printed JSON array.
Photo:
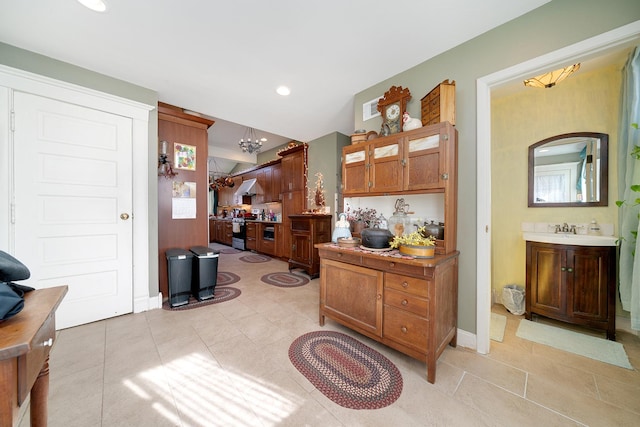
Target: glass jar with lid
[{"x": 400, "y": 223}]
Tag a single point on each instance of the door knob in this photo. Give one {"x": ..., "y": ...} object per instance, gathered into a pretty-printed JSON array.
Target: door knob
[{"x": 124, "y": 216}]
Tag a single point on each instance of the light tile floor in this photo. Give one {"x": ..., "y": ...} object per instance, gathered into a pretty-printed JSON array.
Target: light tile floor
[{"x": 227, "y": 365}]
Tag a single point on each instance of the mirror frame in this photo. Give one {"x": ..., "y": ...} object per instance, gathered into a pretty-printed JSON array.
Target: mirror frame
[{"x": 604, "y": 171}]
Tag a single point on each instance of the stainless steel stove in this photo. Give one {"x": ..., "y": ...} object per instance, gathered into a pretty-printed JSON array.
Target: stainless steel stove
[{"x": 239, "y": 228}]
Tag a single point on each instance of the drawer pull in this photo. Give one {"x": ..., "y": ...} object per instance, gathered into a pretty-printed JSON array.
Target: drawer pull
[
  {"x": 404, "y": 329},
  {"x": 339, "y": 255},
  {"x": 379, "y": 297},
  {"x": 48, "y": 343},
  {"x": 405, "y": 284},
  {"x": 392, "y": 264},
  {"x": 404, "y": 302}
]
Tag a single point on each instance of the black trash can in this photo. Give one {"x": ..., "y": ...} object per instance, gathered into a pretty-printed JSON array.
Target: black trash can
[
  {"x": 179, "y": 271},
  {"x": 205, "y": 272}
]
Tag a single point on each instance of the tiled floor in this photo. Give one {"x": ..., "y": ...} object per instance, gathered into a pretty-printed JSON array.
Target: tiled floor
[{"x": 227, "y": 365}]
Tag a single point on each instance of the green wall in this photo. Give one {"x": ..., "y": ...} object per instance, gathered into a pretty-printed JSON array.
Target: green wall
[{"x": 555, "y": 25}]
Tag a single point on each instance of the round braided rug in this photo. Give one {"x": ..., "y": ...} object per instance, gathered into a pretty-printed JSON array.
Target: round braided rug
[
  {"x": 284, "y": 280},
  {"x": 348, "y": 372},
  {"x": 219, "y": 295},
  {"x": 255, "y": 258},
  {"x": 224, "y": 278}
]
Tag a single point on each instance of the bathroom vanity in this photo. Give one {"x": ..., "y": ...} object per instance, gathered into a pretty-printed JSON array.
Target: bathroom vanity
[{"x": 572, "y": 279}]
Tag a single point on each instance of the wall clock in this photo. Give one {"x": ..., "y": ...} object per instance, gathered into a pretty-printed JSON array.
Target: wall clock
[{"x": 392, "y": 106}]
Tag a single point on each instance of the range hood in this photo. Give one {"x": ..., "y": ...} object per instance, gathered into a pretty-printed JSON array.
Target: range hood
[{"x": 246, "y": 188}]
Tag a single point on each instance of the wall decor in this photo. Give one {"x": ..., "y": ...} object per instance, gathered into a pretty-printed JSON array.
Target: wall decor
[{"x": 185, "y": 156}]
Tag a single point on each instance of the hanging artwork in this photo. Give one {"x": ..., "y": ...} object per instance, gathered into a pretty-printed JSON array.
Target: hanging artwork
[{"x": 185, "y": 156}]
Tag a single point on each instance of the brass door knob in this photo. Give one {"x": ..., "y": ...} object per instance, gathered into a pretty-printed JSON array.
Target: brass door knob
[{"x": 124, "y": 216}]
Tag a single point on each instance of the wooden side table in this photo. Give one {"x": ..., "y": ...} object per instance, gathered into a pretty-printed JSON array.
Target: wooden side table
[{"x": 25, "y": 343}]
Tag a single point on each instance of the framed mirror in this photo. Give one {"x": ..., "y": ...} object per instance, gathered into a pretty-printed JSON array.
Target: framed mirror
[{"x": 569, "y": 170}]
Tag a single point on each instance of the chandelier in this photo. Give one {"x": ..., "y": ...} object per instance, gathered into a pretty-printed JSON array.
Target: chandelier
[
  {"x": 250, "y": 141},
  {"x": 552, "y": 78}
]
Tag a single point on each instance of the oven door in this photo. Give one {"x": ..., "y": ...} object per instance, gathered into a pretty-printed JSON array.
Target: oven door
[{"x": 239, "y": 237}]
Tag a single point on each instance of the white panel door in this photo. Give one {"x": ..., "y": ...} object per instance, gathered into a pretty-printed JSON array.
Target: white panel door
[{"x": 72, "y": 220}]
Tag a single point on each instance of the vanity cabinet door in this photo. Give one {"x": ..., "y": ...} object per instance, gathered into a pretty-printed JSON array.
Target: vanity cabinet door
[
  {"x": 546, "y": 290},
  {"x": 588, "y": 284}
]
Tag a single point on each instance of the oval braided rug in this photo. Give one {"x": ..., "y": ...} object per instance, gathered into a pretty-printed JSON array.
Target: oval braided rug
[
  {"x": 219, "y": 295},
  {"x": 284, "y": 280},
  {"x": 346, "y": 371},
  {"x": 225, "y": 278},
  {"x": 255, "y": 258}
]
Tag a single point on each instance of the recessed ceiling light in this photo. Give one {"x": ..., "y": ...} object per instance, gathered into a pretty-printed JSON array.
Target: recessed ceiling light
[
  {"x": 95, "y": 5},
  {"x": 283, "y": 90}
]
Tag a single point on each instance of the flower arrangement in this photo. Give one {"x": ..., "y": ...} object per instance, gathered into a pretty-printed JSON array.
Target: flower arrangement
[
  {"x": 366, "y": 215},
  {"x": 417, "y": 238}
]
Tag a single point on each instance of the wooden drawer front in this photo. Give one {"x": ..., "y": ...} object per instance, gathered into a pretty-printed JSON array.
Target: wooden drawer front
[
  {"x": 405, "y": 328},
  {"x": 381, "y": 263},
  {"x": 349, "y": 257},
  {"x": 31, "y": 363},
  {"x": 300, "y": 225},
  {"x": 412, "y": 285},
  {"x": 404, "y": 301}
]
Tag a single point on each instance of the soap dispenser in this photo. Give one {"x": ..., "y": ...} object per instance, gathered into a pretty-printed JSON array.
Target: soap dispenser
[{"x": 594, "y": 228}]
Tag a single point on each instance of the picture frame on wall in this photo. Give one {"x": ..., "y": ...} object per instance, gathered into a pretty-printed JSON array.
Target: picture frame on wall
[{"x": 184, "y": 156}]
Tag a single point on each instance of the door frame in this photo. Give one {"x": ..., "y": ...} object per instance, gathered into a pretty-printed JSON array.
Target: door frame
[
  {"x": 19, "y": 80},
  {"x": 591, "y": 47}
]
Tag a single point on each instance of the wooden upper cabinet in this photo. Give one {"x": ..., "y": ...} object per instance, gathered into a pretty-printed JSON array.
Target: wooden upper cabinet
[
  {"x": 385, "y": 166},
  {"x": 293, "y": 165},
  {"x": 420, "y": 160},
  {"x": 355, "y": 167}
]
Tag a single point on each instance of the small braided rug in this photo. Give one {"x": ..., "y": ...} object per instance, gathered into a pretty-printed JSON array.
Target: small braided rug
[
  {"x": 230, "y": 251},
  {"x": 219, "y": 295},
  {"x": 284, "y": 280},
  {"x": 224, "y": 278},
  {"x": 345, "y": 370},
  {"x": 255, "y": 258}
]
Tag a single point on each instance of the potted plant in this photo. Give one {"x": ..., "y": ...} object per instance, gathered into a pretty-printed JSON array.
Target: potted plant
[
  {"x": 417, "y": 244},
  {"x": 361, "y": 218}
]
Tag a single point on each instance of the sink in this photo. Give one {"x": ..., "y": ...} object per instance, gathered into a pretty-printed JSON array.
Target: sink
[{"x": 570, "y": 239}]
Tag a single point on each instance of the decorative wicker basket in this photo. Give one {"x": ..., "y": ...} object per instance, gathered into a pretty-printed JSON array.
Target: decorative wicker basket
[
  {"x": 348, "y": 242},
  {"x": 418, "y": 251}
]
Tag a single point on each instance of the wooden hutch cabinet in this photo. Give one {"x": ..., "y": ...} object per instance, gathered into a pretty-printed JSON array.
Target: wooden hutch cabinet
[
  {"x": 574, "y": 284},
  {"x": 408, "y": 304},
  {"x": 306, "y": 231}
]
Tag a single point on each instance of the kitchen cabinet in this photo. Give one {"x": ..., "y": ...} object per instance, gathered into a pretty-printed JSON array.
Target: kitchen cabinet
[
  {"x": 410, "y": 305},
  {"x": 419, "y": 161},
  {"x": 267, "y": 246},
  {"x": 212, "y": 230},
  {"x": 252, "y": 236},
  {"x": 279, "y": 238},
  {"x": 294, "y": 184},
  {"x": 306, "y": 231},
  {"x": 225, "y": 195},
  {"x": 439, "y": 105},
  {"x": 573, "y": 284},
  {"x": 227, "y": 232},
  {"x": 264, "y": 184}
]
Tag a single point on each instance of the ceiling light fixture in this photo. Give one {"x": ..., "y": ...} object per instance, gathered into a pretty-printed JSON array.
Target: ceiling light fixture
[
  {"x": 283, "y": 90},
  {"x": 552, "y": 78},
  {"x": 250, "y": 141},
  {"x": 95, "y": 5}
]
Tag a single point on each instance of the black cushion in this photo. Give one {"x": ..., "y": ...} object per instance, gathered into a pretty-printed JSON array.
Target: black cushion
[{"x": 11, "y": 269}]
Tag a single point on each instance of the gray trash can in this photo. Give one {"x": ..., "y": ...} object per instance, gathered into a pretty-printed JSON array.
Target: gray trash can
[
  {"x": 179, "y": 271},
  {"x": 205, "y": 272}
]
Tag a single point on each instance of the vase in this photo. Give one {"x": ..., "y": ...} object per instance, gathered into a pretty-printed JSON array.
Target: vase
[
  {"x": 357, "y": 226},
  {"x": 418, "y": 251}
]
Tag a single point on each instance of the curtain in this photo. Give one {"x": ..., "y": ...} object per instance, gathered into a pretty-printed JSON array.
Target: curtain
[{"x": 628, "y": 175}]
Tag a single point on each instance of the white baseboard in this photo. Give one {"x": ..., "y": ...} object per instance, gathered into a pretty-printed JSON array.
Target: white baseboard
[
  {"x": 146, "y": 304},
  {"x": 467, "y": 339}
]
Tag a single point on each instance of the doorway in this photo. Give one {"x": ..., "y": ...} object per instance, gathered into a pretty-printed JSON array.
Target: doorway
[{"x": 586, "y": 49}]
